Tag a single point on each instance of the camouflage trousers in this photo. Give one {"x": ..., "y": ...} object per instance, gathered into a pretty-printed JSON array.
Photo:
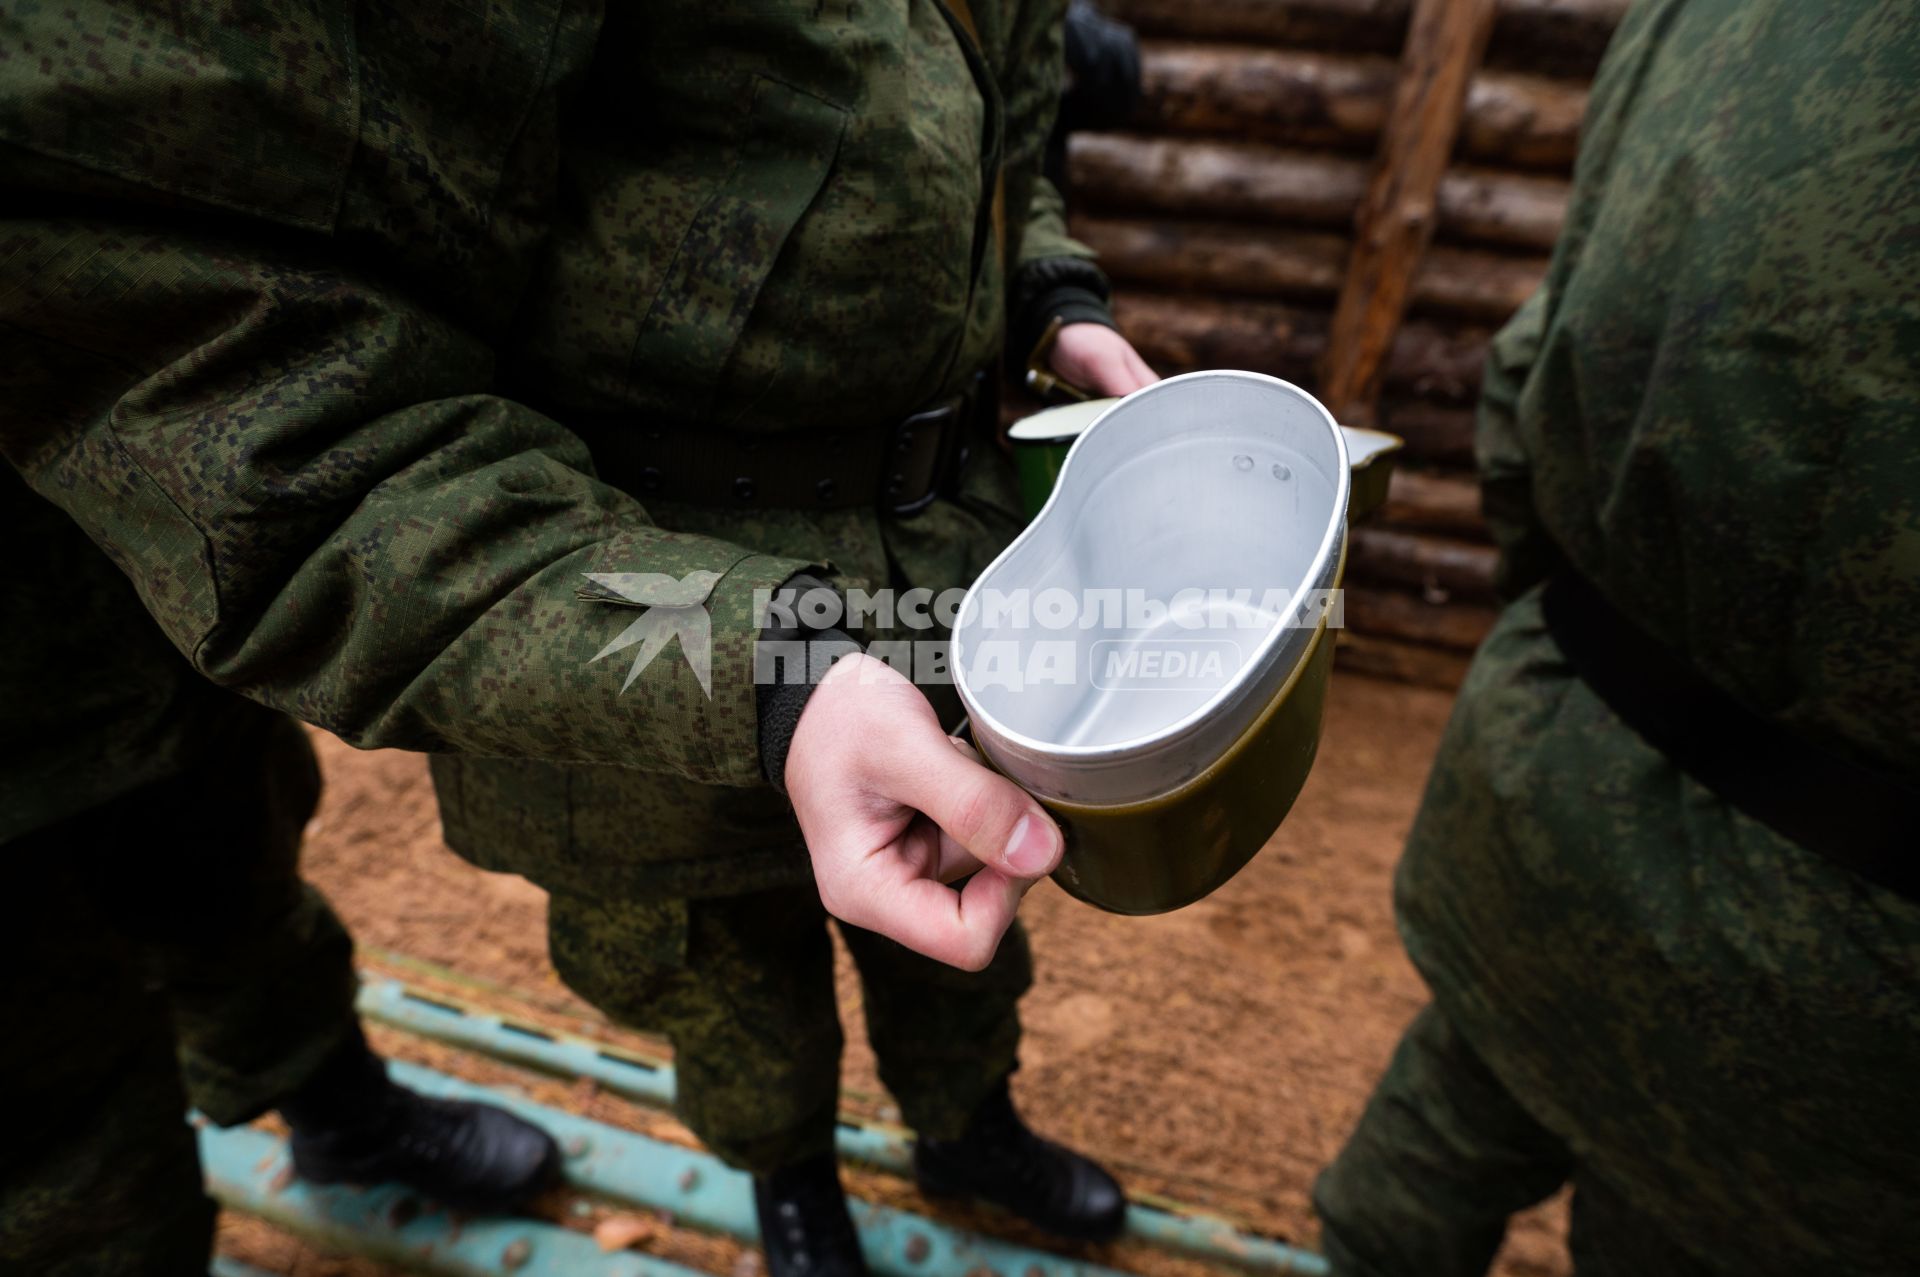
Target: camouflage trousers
[
  {"x": 1710, "y": 1031},
  {"x": 155, "y": 952},
  {"x": 1443, "y": 1155},
  {"x": 744, "y": 987}
]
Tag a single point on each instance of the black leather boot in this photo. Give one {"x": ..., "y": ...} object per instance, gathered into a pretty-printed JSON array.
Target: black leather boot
[
  {"x": 804, "y": 1225},
  {"x": 351, "y": 1125},
  {"x": 999, "y": 1160}
]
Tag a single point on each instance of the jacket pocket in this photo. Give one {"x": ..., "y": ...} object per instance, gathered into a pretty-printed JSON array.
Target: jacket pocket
[{"x": 730, "y": 247}]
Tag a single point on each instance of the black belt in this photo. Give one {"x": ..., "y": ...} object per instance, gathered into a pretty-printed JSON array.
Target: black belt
[
  {"x": 1859, "y": 818},
  {"x": 900, "y": 466}
]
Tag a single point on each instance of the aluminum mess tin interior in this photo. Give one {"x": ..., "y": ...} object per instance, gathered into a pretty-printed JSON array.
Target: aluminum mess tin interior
[{"x": 1214, "y": 494}]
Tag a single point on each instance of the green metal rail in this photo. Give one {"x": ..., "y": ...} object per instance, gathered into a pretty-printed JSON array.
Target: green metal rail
[
  {"x": 248, "y": 1170},
  {"x": 888, "y": 1148}
]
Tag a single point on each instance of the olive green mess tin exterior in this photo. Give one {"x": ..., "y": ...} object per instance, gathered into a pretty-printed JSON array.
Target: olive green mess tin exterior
[{"x": 1167, "y": 852}]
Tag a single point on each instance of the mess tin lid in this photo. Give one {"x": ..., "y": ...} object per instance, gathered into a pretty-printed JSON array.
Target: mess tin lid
[{"x": 1057, "y": 425}]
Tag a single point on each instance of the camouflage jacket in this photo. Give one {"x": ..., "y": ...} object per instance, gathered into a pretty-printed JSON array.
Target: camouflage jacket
[
  {"x": 302, "y": 302},
  {"x": 1712, "y": 406},
  {"x": 1709, "y": 410}
]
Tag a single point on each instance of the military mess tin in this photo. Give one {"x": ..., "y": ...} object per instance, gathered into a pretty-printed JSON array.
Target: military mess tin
[{"x": 1160, "y": 690}]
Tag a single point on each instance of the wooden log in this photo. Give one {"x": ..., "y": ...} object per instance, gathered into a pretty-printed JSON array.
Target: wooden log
[
  {"x": 1565, "y": 37},
  {"x": 1196, "y": 177},
  {"x": 1525, "y": 120},
  {"x": 1296, "y": 98},
  {"x": 1476, "y": 282},
  {"x": 1445, "y": 42},
  {"x": 1436, "y": 501},
  {"x": 1502, "y": 208},
  {"x": 1277, "y": 95},
  {"x": 1376, "y": 25},
  {"x": 1440, "y": 568},
  {"x": 1216, "y": 257},
  {"x": 1203, "y": 177},
  {"x": 1555, "y": 37},
  {"x": 1415, "y": 663},
  {"x": 1438, "y": 363},
  {"x": 1180, "y": 334},
  {"x": 1401, "y": 614},
  {"x": 1288, "y": 263},
  {"x": 1434, "y": 432}
]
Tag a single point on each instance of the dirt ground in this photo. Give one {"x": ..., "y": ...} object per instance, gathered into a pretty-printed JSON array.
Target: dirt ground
[{"x": 1216, "y": 1055}]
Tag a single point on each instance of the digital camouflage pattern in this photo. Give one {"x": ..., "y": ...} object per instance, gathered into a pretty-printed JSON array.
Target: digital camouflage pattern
[
  {"x": 1459, "y": 1155},
  {"x": 330, "y": 326},
  {"x": 744, "y": 987},
  {"x": 301, "y": 304},
  {"x": 593, "y": 829},
  {"x": 1708, "y": 410}
]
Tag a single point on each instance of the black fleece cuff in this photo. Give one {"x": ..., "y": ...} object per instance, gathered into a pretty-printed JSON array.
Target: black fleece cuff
[
  {"x": 1070, "y": 287},
  {"x": 778, "y": 703}
]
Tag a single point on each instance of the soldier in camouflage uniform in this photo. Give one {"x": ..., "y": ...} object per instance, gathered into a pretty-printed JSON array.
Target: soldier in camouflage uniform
[
  {"x": 1640, "y": 983},
  {"x": 159, "y": 948},
  {"x": 355, "y": 335}
]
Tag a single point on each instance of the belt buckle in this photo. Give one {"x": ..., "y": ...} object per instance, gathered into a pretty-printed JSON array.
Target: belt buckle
[{"x": 916, "y": 454}]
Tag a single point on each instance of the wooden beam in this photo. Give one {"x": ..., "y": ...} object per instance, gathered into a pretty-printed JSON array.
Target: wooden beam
[
  {"x": 1205, "y": 177},
  {"x": 1526, "y": 120},
  {"x": 1564, "y": 37},
  {"x": 1376, "y": 26},
  {"x": 1295, "y": 263},
  {"x": 1502, "y": 208},
  {"x": 1439, "y": 567},
  {"x": 1289, "y": 96},
  {"x": 1214, "y": 257},
  {"x": 1436, "y": 502},
  {"x": 1440, "y": 364},
  {"x": 1186, "y": 334},
  {"x": 1434, "y": 432},
  {"x": 1416, "y": 663},
  {"x": 1445, "y": 42},
  {"x": 1301, "y": 98},
  {"x": 1402, "y": 614}
]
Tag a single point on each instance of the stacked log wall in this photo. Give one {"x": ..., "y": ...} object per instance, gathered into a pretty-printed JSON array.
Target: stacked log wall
[{"x": 1225, "y": 216}]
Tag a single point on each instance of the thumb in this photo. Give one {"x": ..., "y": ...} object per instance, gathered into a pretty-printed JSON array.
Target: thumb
[{"x": 994, "y": 819}]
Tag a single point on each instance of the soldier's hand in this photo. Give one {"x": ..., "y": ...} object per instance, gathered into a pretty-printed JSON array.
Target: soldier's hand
[
  {"x": 892, "y": 811},
  {"x": 1100, "y": 360}
]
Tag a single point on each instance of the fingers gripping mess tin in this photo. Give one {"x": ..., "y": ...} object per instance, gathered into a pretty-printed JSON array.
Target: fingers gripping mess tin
[{"x": 1150, "y": 657}]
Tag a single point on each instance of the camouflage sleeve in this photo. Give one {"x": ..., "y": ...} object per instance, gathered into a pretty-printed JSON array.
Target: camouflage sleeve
[
  {"x": 1065, "y": 284},
  {"x": 1045, "y": 236},
  {"x": 1506, "y": 474},
  {"x": 1050, "y": 272},
  {"x": 305, "y": 474}
]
